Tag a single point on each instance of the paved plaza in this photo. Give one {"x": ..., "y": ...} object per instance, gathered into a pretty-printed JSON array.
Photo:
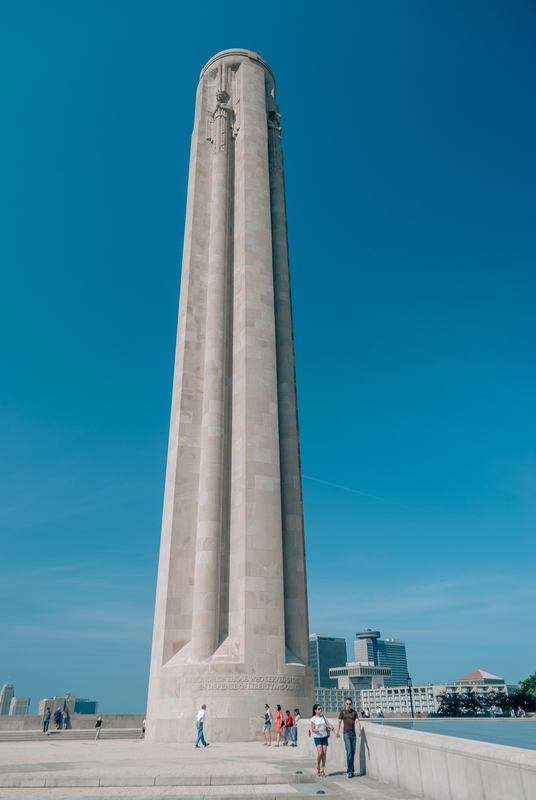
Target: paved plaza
[{"x": 59, "y": 768}]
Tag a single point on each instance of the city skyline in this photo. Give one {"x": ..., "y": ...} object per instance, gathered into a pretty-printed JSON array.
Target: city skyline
[
  {"x": 11, "y": 704},
  {"x": 410, "y": 175}
]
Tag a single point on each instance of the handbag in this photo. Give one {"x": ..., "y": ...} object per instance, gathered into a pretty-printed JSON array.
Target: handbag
[{"x": 328, "y": 732}]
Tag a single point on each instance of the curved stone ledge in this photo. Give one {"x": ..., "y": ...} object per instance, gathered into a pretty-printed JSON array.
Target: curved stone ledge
[{"x": 241, "y": 54}]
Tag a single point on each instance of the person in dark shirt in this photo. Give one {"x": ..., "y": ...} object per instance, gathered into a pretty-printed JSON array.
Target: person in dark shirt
[
  {"x": 349, "y": 717},
  {"x": 98, "y": 726}
]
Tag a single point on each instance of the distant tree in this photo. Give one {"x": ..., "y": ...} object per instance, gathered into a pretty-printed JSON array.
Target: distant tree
[
  {"x": 450, "y": 705},
  {"x": 528, "y": 686},
  {"x": 520, "y": 698},
  {"x": 470, "y": 703},
  {"x": 495, "y": 700},
  {"x": 498, "y": 700}
]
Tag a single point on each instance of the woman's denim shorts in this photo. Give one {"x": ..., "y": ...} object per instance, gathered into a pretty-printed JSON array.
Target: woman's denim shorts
[
  {"x": 321, "y": 740},
  {"x": 267, "y": 724}
]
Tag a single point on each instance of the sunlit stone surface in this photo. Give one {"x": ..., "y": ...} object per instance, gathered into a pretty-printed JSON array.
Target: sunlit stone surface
[{"x": 231, "y": 626}]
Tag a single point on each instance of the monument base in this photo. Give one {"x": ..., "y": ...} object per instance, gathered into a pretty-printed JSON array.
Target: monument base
[{"x": 234, "y": 698}]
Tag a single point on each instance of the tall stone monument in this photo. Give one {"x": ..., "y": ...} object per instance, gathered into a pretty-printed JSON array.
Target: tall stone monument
[{"x": 231, "y": 627}]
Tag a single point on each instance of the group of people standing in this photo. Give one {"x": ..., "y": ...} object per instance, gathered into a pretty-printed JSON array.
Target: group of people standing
[
  {"x": 286, "y": 726},
  {"x": 61, "y": 719}
]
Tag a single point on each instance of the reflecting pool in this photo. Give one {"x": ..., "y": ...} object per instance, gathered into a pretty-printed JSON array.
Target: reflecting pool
[{"x": 512, "y": 732}]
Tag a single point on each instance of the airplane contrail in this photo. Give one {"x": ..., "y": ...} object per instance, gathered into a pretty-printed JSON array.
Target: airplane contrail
[{"x": 365, "y": 494}]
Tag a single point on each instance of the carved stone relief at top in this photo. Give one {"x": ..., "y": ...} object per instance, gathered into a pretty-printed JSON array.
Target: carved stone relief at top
[
  {"x": 223, "y": 121},
  {"x": 274, "y": 141}
]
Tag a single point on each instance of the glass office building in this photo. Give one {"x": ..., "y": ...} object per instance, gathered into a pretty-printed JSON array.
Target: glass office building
[
  {"x": 325, "y": 652},
  {"x": 370, "y": 647}
]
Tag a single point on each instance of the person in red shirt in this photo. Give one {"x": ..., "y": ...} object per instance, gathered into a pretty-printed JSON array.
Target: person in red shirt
[
  {"x": 279, "y": 724},
  {"x": 289, "y": 724}
]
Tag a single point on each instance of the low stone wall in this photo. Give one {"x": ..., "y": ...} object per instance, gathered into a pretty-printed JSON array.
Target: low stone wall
[
  {"x": 440, "y": 767},
  {"x": 76, "y": 721},
  {"x": 432, "y": 766}
]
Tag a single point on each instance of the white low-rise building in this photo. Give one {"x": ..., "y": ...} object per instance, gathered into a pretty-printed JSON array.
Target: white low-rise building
[
  {"x": 397, "y": 700},
  {"x": 19, "y": 707}
]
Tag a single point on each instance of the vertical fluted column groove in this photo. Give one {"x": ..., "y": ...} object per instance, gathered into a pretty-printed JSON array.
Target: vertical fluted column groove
[
  {"x": 256, "y": 586},
  {"x": 295, "y": 586},
  {"x": 206, "y": 599}
]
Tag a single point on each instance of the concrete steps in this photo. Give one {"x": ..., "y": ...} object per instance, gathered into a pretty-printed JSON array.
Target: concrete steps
[
  {"x": 305, "y": 785},
  {"x": 69, "y": 735},
  {"x": 282, "y": 795},
  {"x": 84, "y": 781}
]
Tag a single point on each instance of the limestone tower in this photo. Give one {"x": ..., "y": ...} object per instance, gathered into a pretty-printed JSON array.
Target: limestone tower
[{"x": 231, "y": 627}]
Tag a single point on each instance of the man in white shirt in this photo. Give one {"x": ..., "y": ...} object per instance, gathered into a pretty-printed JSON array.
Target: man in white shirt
[{"x": 199, "y": 723}]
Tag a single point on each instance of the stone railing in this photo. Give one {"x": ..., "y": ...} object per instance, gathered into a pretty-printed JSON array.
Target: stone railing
[{"x": 433, "y": 766}]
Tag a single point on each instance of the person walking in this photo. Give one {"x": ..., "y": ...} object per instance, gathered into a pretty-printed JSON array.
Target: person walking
[
  {"x": 320, "y": 728},
  {"x": 46, "y": 721},
  {"x": 279, "y": 724},
  {"x": 349, "y": 717},
  {"x": 57, "y": 718},
  {"x": 520, "y": 712},
  {"x": 200, "y": 721},
  {"x": 64, "y": 720},
  {"x": 512, "y": 713},
  {"x": 98, "y": 726},
  {"x": 294, "y": 729},
  {"x": 289, "y": 725},
  {"x": 267, "y": 727},
  {"x": 143, "y": 726}
]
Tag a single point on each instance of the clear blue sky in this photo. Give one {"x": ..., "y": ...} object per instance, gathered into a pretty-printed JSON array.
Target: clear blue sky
[{"x": 408, "y": 132}]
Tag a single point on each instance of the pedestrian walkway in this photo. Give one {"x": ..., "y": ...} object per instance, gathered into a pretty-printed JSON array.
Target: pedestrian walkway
[{"x": 137, "y": 770}]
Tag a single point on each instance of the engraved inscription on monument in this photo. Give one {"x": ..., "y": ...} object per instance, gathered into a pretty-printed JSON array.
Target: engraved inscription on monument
[{"x": 259, "y": 683}]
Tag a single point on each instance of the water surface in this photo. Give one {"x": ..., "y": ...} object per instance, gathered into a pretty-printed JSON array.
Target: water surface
[{"x": 512, "y": 732}]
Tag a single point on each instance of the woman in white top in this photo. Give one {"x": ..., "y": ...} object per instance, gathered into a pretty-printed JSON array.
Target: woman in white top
[
  {"x": 294, "y": 729},
  {"x": 320, "y": 727}
]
